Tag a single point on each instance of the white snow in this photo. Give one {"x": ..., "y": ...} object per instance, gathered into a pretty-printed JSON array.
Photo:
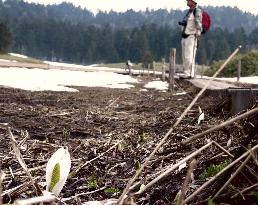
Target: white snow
[
  {"x": 64, "y": 76},
  {"x": 18, "y": 55},
  {"x": 94, "y": 67},
  {"x": 158, "y": 85},
  {"x": 57, "y": 80},
  {"x": 250, "y": 79},
  {"x": 4, "y": 60}
]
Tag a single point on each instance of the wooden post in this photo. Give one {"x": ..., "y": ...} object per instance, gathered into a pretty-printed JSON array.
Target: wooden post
[
  {"x": 172, "y": 66},
  {"x": 142, "y": 69},
  {"x": 130, "y": 70},
  {"x": 238, "y": 70},
  {"x": 163, "y": 69},
  {"x": 154, "y": 73},
  {"x": 202, "y": 72}
]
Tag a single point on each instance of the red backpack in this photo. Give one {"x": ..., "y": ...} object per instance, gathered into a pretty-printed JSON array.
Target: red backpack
[{"x": 206, "y": 21}]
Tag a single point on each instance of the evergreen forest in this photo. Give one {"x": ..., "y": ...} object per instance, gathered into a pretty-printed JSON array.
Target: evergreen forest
[{"x": 67, "y": 33}]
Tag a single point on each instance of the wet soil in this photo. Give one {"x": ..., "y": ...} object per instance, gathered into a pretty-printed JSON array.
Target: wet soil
[{"x": 91, "y": 121}]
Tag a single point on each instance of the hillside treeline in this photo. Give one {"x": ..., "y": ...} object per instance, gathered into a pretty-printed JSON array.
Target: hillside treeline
[
  {"x": 90, "y": 44},
  {"x": 49, "y": 33},
  {"x": 17, "y": 12}
]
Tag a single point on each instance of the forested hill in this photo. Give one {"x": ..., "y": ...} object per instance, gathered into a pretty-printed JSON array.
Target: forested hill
[
  {"x": 16, "y": 11},
  {"x": 71, "y": 34}
]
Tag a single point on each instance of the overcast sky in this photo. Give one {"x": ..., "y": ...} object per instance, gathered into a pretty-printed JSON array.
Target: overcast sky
[{"x": 123, "y": 5}]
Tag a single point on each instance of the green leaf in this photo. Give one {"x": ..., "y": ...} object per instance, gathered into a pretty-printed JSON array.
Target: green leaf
[
  {"x": 210, "y": 202},
  {"x": 55, "y": 177},
  {"x": 111, "y": 190}
]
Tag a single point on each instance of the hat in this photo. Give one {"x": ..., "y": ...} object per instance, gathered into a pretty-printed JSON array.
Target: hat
[{"x": 195, "y": 1}]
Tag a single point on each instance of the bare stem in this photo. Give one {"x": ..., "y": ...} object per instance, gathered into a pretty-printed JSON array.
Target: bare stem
[
  {"x": 218, "y": 127},
  {"x": 165, "y": 173},
  {"x": 100, "y": 155},
  {"x": 22, "y": 162},
  {"x": 137, "y": 174},
  {"x": 186, "y": 182},
  {"x": 36, "y": 200},
  {"x": 220, "y": 173},
  {"x": 233, "y": 176}
]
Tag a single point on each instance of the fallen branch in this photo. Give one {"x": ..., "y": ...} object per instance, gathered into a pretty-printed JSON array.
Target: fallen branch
[
  {"x": 2, "y": 175},
  {"x": 224, "y": 150},
  {"x": 138, "y": 172},
  {"x": 186, "y": 182},
  {"x": 218, "y": 127},
  {"x": 165, "y": 173},
  {"x": 15, "y": 189},
  {"x": 245, "y": 190},
  {"x": 36, "y": 200},
  {"x": 172, "y": 168},
  {"x": 83, "y": 194},
  {"x": 21, "y": 161},
  {"x": 100, "y": 155},
  {"x": 112, "y": 103},
  {"x": 220, "y": 173},
  {"x": 233, "y": 176}
]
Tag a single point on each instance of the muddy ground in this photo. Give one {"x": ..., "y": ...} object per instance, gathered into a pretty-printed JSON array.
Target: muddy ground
[{"x": 93, "y": 120}]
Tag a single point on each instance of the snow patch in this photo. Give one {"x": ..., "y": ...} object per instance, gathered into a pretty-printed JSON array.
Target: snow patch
[
  {"x": 158, "y": 85},
  {"x": 58, "y": 80},
  {"x": 18, "y": 55}
]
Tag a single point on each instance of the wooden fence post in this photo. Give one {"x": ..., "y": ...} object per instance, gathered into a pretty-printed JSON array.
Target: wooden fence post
[
  {"x": 163, "y": 69},
  {"x": 143, "y": 68},
  {"x": 202, "y": 72},
  {"x": 154, "y": 73},
  {"x": 172, "y": 67},
  {"x": 130, "y": 70},
  {"x": 238, "y": 70}
]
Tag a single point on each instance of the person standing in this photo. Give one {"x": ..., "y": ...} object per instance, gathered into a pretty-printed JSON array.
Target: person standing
[{"x": 192, "y": 29}]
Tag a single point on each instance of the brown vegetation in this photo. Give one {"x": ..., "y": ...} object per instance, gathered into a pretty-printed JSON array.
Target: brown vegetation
[{"x": 110, "y": 132}]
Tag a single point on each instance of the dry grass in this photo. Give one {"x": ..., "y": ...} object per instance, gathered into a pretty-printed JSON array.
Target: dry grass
[{"x": 19, "y": 59}]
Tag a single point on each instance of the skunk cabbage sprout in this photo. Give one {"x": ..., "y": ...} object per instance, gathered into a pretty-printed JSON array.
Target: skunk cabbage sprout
[
  {"x": 201, "y": 116},
  {"x": 57, "y": 171}
]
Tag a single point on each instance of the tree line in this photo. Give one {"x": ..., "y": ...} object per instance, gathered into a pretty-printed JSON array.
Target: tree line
[
  {"x": 89, "y": 44},
  {"x": 15, "y": 12},
  {"x": 60, "y": 37}
]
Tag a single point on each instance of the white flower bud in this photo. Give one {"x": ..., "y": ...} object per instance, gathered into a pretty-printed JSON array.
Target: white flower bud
[{"x": 57, "y": 171}]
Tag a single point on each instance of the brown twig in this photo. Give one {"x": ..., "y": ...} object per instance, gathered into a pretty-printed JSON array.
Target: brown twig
[
  {"x": 100, "y": 155},
  {"x": 229, "y": 122},
  {"x": 21, "y": 161},
  {"x": 233, "y": 176},
  {"x": 224, "y": 150},
  {"x": 36, "y": 200},
  {"x": 84, "y": 194},
  {"x": 172, "y": 168},
  {"x": 16, "y": 189},
  {"x": 165, "y": 173},
  {"x": 112, "y": 103},
  {"x": 1, "y": 181},
  {"x": 189, "y": 198},
  {"x": 245, "y": 190},
  {"x": 138, "y": 172},
  {"x": 186, "y": 182}
]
